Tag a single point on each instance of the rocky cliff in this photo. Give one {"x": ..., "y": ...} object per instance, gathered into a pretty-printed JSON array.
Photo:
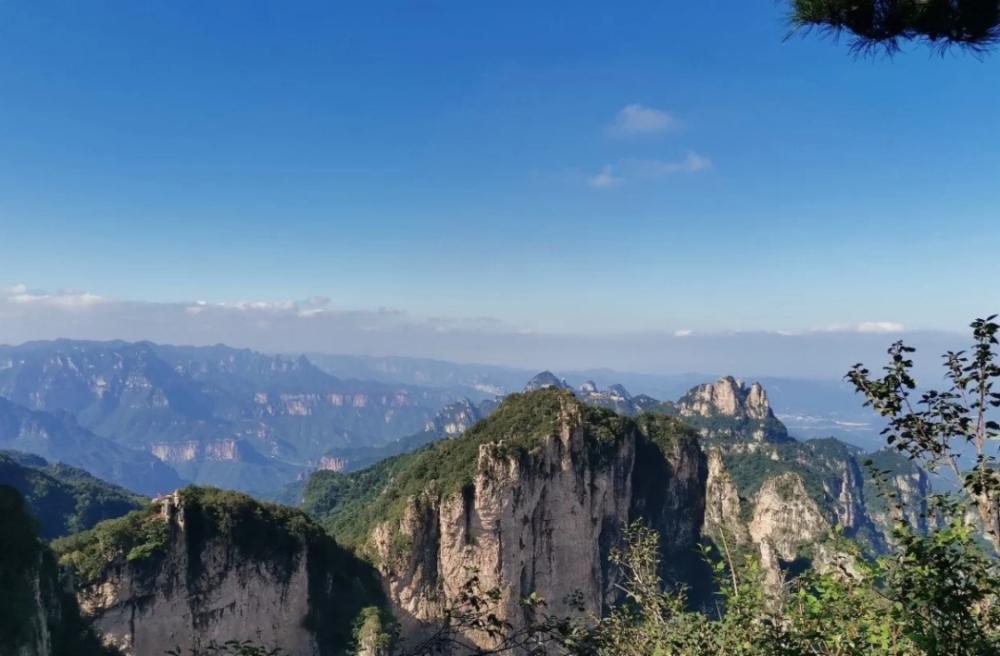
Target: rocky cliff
[
  {"x": 729, "y": 410},
  {"x": 780, "y": 499},
  {"x": 533, "y": 497},
  {"x": 202, "y": 564},
  {"x": 782, "y": 502}
]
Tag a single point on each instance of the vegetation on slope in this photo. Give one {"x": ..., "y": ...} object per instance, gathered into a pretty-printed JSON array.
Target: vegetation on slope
[
  {"x": 64, "y": 499},
  {"x": 520, "y": 424},
  {"x": 274, "y": 537},
  {"x": 350, "y": 505},
  {"x": 815, "y": 461}
]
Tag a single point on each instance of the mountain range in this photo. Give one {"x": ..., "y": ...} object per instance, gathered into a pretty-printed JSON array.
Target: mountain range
[
  {"x": 244, "y": 420},
  {"x": 230, "y": 417},
  {"x": 532, "y": 489},
  {"x": 809, "y": 408}
]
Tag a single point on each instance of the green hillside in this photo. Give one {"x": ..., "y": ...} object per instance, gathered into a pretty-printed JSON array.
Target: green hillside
[{"x": 64, "y": 499}]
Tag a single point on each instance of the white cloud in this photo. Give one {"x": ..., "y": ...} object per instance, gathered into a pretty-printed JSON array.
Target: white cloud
[
  {"x": 880, "y": 327},
  {"x": 19, "y": 294},
  {"x": 647, "y": 169},
  {"x": 863, "y": 327},
  {"x": 637, "y": 119},
  {"x": 683, "y": 333},
  {"x": 264, "y": 306},
  {"x": 605, "y": 178}
]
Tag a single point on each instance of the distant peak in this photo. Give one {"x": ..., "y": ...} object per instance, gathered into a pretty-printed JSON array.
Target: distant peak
[
  {"x": 729, "y": 397},
  {"x": 545, "y": 380},
  {"x": 619, "y": 391},
  {"x": 588, "y": 386}
]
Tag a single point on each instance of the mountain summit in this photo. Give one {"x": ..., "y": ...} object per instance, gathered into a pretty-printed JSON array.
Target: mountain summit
[
  {"x": 545, "y": 380},
  {"x": 730, "y": 409}
]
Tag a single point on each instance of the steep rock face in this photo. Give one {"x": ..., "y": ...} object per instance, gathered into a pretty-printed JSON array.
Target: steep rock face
[
  {"x": 531, "y": 527},
  {"x": 722, "y": 502},
  {"x": 207, "y": 565},
  {"x": 541, "y": 517},
  {"x": 729, "y": 409},
  {"x": 454, "y": 419},
  {"x": 332, "y": 463},
  {"x": 912, "y": 485},
  {"x": 784, "y": 500},
  {"x": 217, "y": 450},
  {"x": 785, "y": 516}
]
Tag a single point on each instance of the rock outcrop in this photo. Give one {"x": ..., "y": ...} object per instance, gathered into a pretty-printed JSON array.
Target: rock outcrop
[
  {"x": 205, "y": 565},
  {"x": 730, "y": 410},
  {"x": 544, "y": 504},
  {"x": 454, "y": 419},
  {"x": 545, "y": 380}
]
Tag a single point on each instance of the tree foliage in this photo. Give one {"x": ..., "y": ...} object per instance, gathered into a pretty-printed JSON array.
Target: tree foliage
[
  {"x": 951, "y": 433},
  {"x": 884, "y": 25}
]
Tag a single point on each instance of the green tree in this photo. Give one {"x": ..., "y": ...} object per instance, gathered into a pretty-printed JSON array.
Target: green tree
[
  {"x": 884, "y": 25},
  {"x": 947, "y": 431}
]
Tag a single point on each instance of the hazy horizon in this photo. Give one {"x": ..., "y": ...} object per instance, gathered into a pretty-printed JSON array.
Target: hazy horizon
[{"x": 315, "y": 326}]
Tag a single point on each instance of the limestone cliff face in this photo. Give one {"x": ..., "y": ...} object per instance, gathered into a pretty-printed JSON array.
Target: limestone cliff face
[
  {"x": 454, "y": 419},
  {"x": 541, "y": 521},
  {"x": 722, "y": 502},
  {"x": 218, "y": 450},
  {"x": 785, "y": 516},
  {"x": 784, "y": 500},
  {"x": 728, "y": 409},
  {"x": 219, "y": 577}
]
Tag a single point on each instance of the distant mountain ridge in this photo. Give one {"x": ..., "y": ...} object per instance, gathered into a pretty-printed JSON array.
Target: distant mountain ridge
[
  {"x": 809, "y": 408},
  {"x": 230, "y": 417},
  {"x": 57, "y": 437}
]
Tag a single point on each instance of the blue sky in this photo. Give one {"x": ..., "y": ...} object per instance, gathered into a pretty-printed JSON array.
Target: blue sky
[{"x": 565, "y": 167}]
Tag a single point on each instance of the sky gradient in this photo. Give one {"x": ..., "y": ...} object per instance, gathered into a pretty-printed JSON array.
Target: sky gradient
[{"x": 566, "y": 168}]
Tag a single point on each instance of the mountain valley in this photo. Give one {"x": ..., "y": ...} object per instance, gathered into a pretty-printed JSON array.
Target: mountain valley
[
  {"x": 229, "y": 417},
  {"x": 533, "y": 490}
]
